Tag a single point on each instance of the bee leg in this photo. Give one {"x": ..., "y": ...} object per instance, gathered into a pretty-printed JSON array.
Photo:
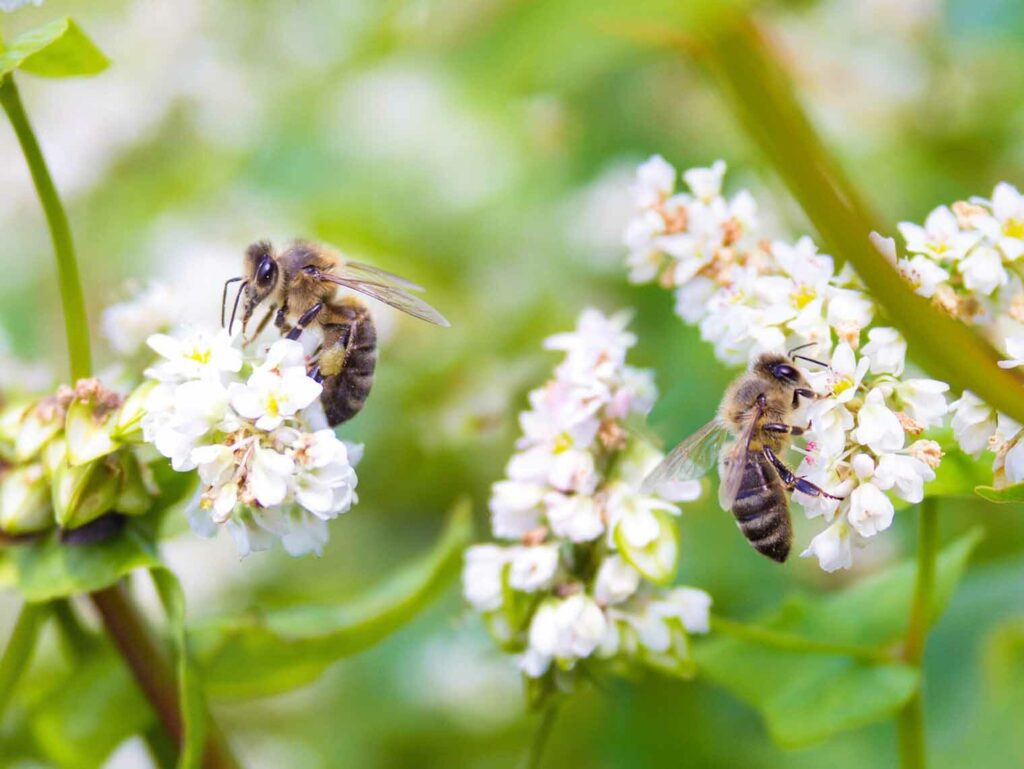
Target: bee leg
[
  {"x": 779, "y": 427},
  {"x": 804, "y": 392},
  {"x": 304, "y": 321},
  {"x": 793, "y": 481},
  {"x": 262, "y": 325},
  {"x": 315, "y": 375}
]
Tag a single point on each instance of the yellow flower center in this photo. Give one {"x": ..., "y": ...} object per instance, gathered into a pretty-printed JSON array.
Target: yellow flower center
[
  {"x": 802, "y": 297},
  {"x": 562, "y": 443},
  {"x": 842, "y": 386},
  {"x": 272, "y": 405},
  {"x": 1014, "y": 228},
  {"x": 200, "y": 356}
]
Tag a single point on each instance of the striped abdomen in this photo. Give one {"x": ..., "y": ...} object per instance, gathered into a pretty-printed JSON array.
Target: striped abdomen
[
  {"x": 350, "y": 350},
  {"x": 762, "y": 508}
]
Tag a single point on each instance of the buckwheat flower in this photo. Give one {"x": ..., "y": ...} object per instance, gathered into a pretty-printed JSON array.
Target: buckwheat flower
[
  {"x": 983, "y": 270},
  {"x": 575, "y": 517},
  {"x": 655, "y": 181},
  {"x": 705, "y": 183},
  {"x": 940, "y": 237},
  {"x": 974, "y": 421},
  {"x": 515, "y": 508},
  {"x": 325, "y": 480},
  {"x": 832, "y": 547},
  {"x": 616, "y": 581},
  {"x": 1006, "y": 224},
  {"x": 923, "y": 400},
  {"x": 886, "y": 350},
  {"x": 566, "y": 630},
  {"x": 923, "y": 274},
  {"x": 194, "y": 355},
  {"x": 905, "y": 474},
  {"x": 878, "y": 427},
  {"x": 871, "y": 511},
  {"x": 533, "y": 568},
  {"x": 690, "y": 606},
  {"x": 127, "y": 325},
  {"x": 1015, "y": 349},
  {"x": 277, "y": 389},
  {"x": 481, "y": 576}
]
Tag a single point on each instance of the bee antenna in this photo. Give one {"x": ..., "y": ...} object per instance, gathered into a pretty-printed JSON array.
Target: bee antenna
[
  {"x": 234, "y": 309},
  {"x": 224, "y": 298},
  {"x": 809, "y": 360},
  {"x": 801, "y": 347}
]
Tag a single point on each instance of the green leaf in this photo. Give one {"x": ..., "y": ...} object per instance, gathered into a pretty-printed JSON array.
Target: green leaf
[
  {"x": 1013, "y": 493},
  {"x": 48, "y": 569},
  {"x": 805, "y": 697},
  {"x": 78, "y": 722},
  {"x": 57, "y": 49},
  {"x": 190, "y": 694},
  {"x": 761, "y": 95},
  {"x": 276, "y": 651}
]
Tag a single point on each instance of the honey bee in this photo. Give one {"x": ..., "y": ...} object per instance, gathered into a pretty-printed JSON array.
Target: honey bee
[
  {"x": 755, "y": 413},
  {"x": 301, "y": 284}
]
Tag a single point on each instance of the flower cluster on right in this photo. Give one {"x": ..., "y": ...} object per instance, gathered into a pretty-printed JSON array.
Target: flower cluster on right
[
  {"x": 583, "y": 550},
  {"x": 967, "y": 258},
  {"x": 747, "y": 295}
]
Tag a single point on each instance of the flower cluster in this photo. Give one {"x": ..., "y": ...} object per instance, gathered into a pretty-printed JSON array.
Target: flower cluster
[
  {"x": 750, "y": 295},
  {"x": 583, "y": 549},
  {"x": 967, "y": 259},
  {"x": 248, "y": 426}
]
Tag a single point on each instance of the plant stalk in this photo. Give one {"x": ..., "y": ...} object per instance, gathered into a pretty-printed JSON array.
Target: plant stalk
[
  {"x": 76, "y": 323},
  {"x": 911, "y": 722},
  {"x": 18, "y": 654},
  {"x": 153, "y": 672},
  {"x": 541, "y": 737}
]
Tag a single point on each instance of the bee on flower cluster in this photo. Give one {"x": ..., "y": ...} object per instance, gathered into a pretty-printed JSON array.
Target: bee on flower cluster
[
  {"x": 301, "y": 283},
  {"x": 756, "y": 412}
]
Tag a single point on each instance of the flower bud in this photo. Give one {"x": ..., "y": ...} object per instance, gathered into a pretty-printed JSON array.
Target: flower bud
[
  {"x": 135, "y": 492},
  {"x": 25, "y": 501},
  {"x": 39, "y": 426},
  {"x": 84, "y": 492},
  {"x": 89, "y": 423},
  {"x": 928, "y": 452},
  {"x": 128, "y": 421},
  {"x": 863, "y": 466}
]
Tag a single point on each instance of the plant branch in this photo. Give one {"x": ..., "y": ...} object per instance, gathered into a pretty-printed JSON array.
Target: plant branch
[
  {"x": 780, "y": 640},
  {"x": 911, "y": 723},
  {"x": 153, "y": 672},
  {"x": 18, "y": 654},
  {"x": 540, "y": 737},
  {"x": 76, "y": 323}
]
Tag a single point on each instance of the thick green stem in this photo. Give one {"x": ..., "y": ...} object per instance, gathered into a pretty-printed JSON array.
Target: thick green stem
[
  {"x": 540, "y": 738},
  {"x": 152, "y": 670},
  {"x": 18, "y": 654},
  {"x": 76, "y": 323},
  {"x": 911, "y": 723},
  {"x": 780, "y": 640}
]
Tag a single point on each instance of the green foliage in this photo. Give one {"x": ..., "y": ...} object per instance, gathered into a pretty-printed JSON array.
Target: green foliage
[
  {"x": 1012, "y": 493},
  {"x": 279, "y": 650},
  {"x": 57, "y": 49},
  {"x": 807, "y": 697}
]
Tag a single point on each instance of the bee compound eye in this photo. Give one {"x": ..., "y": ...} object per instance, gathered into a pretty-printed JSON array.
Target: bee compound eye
[
  {"x": 266, "y": 272},
  {"x": 786, "y": 372}
]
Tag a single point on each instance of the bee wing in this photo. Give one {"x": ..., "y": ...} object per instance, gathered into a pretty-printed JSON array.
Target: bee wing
[
  {"x": 386, "y": 288},
  {"x": 690, "y": 459},
  {"x": 735, "y": 461}
]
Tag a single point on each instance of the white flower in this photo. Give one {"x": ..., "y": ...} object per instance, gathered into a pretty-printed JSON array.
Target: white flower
[
  {"x": 632, "y": 514},
  {"x": 196, "y": 355},
  {"x": 1006, "y": 225},
  {"x": 848, "y": 309},
  {"x": 616, "y": 581},
  {"x": 655, "y": 180},
  {"x": 128, "y": 325},
  {"x": 845, "y": 373},
  {"x": 878, "y": 427},
  {"x": 1015, "y": 349},
  {"x": 573, "y": 516},
  {"x": 481, "y": 576},
  {"x": 692, "y": 607},
  {"x": 270, "y": 476},
  {"x": 887, "y": 350},
  {"x": 923, "y": 274},
  {"x": 906, "y": 474},
  {"x": 983, "y": 270},
  {"x": 515, "y": 508},
  {"x": 1013, "y": 462},
  {"x": 973, "y": 422},
  {"x": 567, "y": 630},
  {"x": 940, "y": 237},
  {"x": 598, "y": 344},
  {"x": 832, "y": 547},
  {"x": 324, "y": 479},
  {"x": 706, "y": 183},
  {"x": 533, "y": 568},
  {"x": 871, "y": 511},
  {"x": 277, "y": 389},
  {"x": 923, "y": 400}
]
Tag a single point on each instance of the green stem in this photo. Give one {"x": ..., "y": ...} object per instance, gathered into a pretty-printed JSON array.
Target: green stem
[
  {"x": 911, "y": 724},
  {"x": 76, "y": 640},
  {"x": 76, "y": 323},
  {"x": 540, "y": 738},
  {"x": 788, "y": 642},
  {"x": 18, "y": 654}
]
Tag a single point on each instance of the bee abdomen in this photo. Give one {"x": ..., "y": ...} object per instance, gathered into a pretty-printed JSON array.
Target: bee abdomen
[
  {"x": 762, "y": 510},
  {"x": 346, "y": 392}
]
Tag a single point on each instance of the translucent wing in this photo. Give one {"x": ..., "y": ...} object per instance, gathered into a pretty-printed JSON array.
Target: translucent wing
[
  {"x": 384, "y": 287},
  {"x": 691, "y": 458},
  {"x": 730, "y": 473}
]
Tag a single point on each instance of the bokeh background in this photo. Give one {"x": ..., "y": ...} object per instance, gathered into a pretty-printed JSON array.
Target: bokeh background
[{"x": 485, "y": 149}]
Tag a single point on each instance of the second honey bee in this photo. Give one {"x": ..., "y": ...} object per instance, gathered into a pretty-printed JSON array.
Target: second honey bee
[
  {"x": 756, "y": 413},
  {"x": 300, "y": 284}
]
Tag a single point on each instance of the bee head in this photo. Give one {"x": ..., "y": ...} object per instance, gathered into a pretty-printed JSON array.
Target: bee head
[
  {"x": 779, "y": 368},
  {"x": 261, "y": 277}
]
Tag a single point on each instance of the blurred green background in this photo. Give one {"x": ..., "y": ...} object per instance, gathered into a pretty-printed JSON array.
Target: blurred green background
[{"x": 485, "y": 149}]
